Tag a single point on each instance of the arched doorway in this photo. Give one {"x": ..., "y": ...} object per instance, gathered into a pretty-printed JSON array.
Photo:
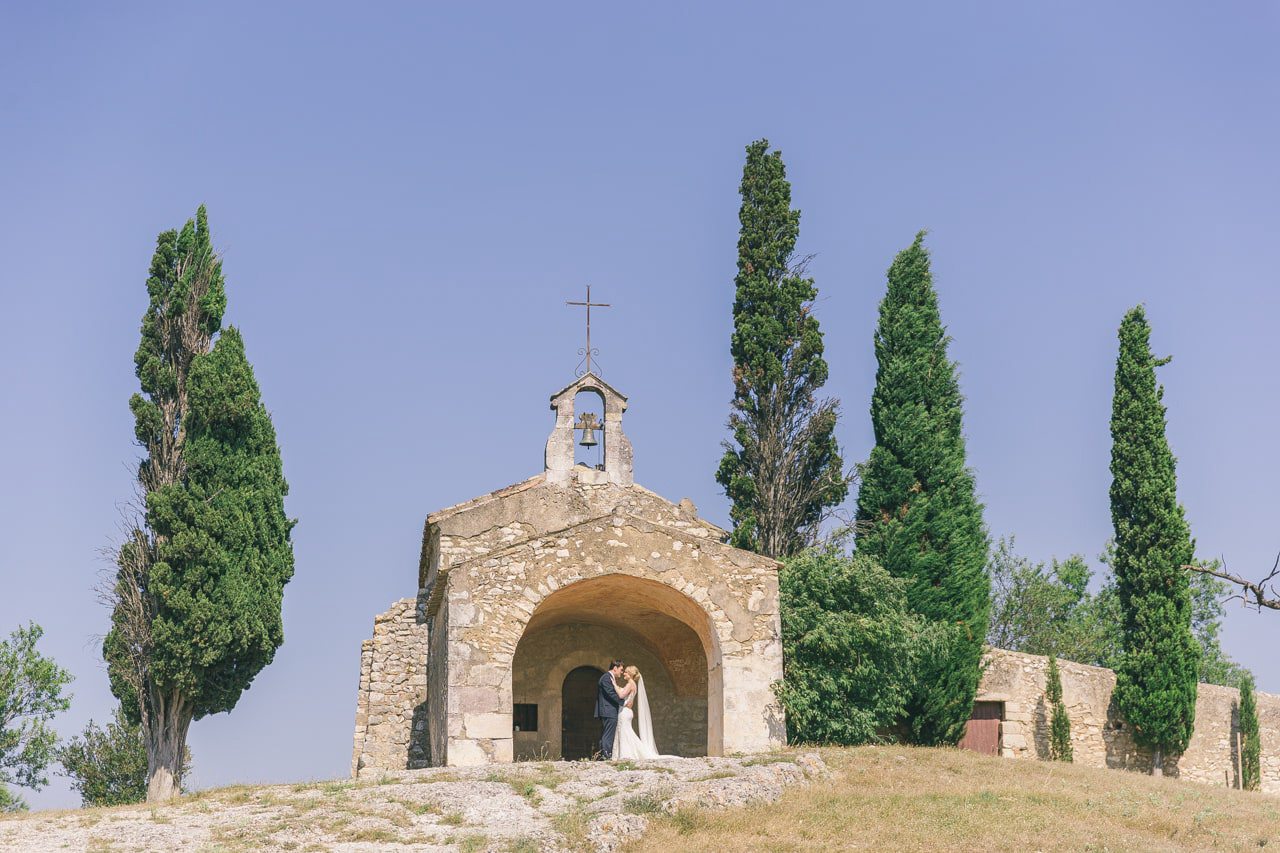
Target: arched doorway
[
  {"x": 583, "y": 625},
  {"x": 579, "y": 729}
]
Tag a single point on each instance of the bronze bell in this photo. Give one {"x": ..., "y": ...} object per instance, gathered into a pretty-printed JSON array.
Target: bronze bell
[{"x": 588, "y": 426}]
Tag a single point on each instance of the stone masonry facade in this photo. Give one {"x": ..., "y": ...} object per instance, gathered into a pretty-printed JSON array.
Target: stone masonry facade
[{"x": 1101, "y": 738}]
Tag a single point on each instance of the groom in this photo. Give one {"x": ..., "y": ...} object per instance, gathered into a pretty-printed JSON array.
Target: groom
[{"x": 607, "y": 703}]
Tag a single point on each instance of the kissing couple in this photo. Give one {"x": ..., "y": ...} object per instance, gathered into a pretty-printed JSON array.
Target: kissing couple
[{"x": 620, "y": 701}]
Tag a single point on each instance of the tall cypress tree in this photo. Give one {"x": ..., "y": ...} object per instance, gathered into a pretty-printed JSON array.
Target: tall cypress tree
[
  {"x": 1251, "y": 749},
  {"x": 1059, "y": 722},
  {"x": 197, "y": 597},
  {"x": 783, "y": 470},
  {"x": 1156, "y": 680},
  {"x": 917, "y": 513}
]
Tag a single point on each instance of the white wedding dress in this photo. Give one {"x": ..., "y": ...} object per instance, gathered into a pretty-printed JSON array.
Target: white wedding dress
[{"x": 627, "y": 744}]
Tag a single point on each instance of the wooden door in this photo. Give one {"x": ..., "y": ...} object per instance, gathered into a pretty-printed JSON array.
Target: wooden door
[
  {"x": 579, "y": 728},
  {"x": 982, "y": 732}
]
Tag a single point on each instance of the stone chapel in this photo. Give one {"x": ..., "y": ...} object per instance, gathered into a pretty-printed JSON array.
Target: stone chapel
[{"x": 526, "y": 593}]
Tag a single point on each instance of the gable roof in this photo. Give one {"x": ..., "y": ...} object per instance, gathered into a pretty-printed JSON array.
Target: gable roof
[{"x": 589, "y": 379}]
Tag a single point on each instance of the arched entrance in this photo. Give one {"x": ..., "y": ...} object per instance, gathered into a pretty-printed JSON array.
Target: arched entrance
[
  {"x": 585, "y": 624},
  {"x": 579, "y": 729}
]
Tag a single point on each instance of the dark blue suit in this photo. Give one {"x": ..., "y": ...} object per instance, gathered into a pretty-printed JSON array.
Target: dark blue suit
[{"x": 607, "y": 703}]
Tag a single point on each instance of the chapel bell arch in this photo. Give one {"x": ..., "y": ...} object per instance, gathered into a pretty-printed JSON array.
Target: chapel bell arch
[
  {"x": 589, "y": 408},
  {"x": 589, "y": 622},
  {"x": 567, "y": 434}
]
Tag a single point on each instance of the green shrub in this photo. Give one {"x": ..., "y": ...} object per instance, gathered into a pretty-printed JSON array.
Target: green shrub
[{"x": 850, "y": 647}]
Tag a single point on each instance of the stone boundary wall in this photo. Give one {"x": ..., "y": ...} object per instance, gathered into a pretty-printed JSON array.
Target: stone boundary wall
[
  {"x": 391, "y": 715},
  {"x": 1100, "y": 737}
]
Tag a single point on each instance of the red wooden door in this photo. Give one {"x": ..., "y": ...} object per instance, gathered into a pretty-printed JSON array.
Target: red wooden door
[{"x": 982, "y": 732}]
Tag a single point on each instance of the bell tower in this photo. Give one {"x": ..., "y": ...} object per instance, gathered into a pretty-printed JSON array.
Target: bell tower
[{"x": 616, "y": 467}]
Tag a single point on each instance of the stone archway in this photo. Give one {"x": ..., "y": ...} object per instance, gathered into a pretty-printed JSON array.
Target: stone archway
[{"x": 587, "y": 623}]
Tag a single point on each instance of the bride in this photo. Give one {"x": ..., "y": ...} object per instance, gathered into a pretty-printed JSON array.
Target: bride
[{"x": 626, "y": 743}]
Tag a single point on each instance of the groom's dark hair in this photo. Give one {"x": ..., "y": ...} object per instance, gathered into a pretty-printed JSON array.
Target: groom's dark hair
[{"x": 615, "y": 663}]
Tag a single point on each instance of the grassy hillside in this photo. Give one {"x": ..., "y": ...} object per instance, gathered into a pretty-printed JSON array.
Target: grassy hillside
[
  {"x": 871, "y": 799},
  {"x": 904, "y": 799}
]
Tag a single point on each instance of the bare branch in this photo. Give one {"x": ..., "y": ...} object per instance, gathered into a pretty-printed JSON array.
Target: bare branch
[
  {"x": 124, "y": 590},
  {"x": 1256, "y": 595}
]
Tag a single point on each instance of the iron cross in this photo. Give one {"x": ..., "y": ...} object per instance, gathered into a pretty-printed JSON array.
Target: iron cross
[{"x": 589, "y": 305}]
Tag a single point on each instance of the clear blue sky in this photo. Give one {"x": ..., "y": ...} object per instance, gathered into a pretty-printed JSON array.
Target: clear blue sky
[{"x": 405, "y": 196}]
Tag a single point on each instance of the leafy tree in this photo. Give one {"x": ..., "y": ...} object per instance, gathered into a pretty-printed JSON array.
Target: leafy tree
[
  {"x": 1156, "y": 680},
  {"x": 1207, "y": 596},
  {"x": 30, "y": 694},
  {"x": 850, "y": 647},
  {"x": 197, "y": 598},
  {"x": 108, "y": 765},
  {"x": 1251, "y": 753},
  {"x": 1041, "y": 611},
  {"x": 917, "y": 513},
  {"x": 785, "y": 470},
  {"x": 11, "y": 802},
  {"x": 1102, "y": 613},
  {"x": 1060, "y": 723}
]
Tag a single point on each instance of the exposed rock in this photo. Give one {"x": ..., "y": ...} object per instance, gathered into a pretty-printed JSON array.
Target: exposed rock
[{"x": 435, "y": 809}]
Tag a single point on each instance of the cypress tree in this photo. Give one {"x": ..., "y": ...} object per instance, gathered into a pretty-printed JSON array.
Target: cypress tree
[
  {"x": 1251, "y": 751},
  {"x": 917, "y": 513},
  {"x": 1059, "y": 723},
  {"x": 197, "y": 597},
  {"x": 1156, "y": 680},
  {"x": 783, "y": 470}
]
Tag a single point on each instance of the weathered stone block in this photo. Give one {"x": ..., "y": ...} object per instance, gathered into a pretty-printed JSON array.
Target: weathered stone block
[
  {"x": 475, "y": 700},
  {"x": 464, "y": 752},
  {"x": 487, "y": 725}
]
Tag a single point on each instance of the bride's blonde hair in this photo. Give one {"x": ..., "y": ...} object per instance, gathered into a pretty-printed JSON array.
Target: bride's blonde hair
[{"x": 632, "y": 672}]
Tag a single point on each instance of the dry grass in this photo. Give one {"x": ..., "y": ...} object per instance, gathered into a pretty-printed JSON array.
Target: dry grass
[
  {"x": 874, "y": 799},
  {"x": 473, "y": 844},
  {"x": 573, "y": 827},
  {"x": 649, "y": 802},
  {"x": 899, "y": 798}
]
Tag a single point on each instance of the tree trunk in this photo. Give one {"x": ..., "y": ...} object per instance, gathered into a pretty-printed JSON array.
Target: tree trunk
[
  {"x": 1157, "y": 761},
  {"x": 166, "y": 742}
]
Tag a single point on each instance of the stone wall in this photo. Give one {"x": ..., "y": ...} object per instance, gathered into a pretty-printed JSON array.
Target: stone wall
[
  {"x": 391, "y": 719},
  {"x": 1101, "y": 738}
]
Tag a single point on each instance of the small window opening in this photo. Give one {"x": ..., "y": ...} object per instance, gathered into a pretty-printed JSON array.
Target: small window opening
[{"x": 525, "y": 717}]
